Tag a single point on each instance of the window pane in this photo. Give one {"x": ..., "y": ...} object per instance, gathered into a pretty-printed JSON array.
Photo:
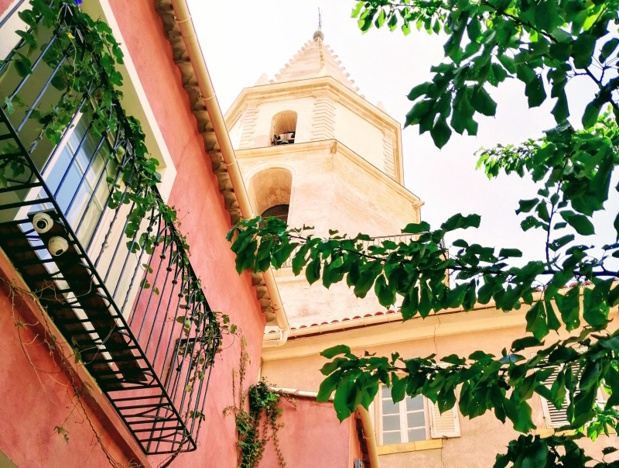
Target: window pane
[
  {"x": 415, "y": 403},
  {"x": 416, "y": 434},
  {"x": 385, "y": 392},
  {"x": 391, "y": 438},
  {"x": 391, "y": 423},
  {"x": 389, "y": 407},
  {"x": 416, "y": 420}
]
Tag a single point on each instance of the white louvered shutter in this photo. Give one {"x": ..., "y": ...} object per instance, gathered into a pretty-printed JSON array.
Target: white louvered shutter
[
  {"x": 558, "y": 417},
  {"x": 554, "y": 417},
  {"x": 443, "y": 425}
]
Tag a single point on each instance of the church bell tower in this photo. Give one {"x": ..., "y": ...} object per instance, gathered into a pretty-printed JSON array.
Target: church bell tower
[{"x": 314, "y": 152}]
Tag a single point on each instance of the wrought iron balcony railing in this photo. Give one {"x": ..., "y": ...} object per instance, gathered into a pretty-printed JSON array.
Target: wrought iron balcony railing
[{"x": 113, "y": 277}]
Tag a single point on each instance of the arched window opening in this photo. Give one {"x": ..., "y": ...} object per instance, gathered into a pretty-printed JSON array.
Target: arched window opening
[
  {"x": 269, "y": 192},
  {"x": 277, "y": 211},
  {"x": 284, "y": 128}
]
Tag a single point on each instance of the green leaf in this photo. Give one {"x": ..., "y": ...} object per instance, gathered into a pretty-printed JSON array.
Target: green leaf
[
  {"x": 547, "y": 17},
  {"x": 342, "y": 398},
  {"x": 312, "y": 272},
  {"x": 330, "y": 353},
  {"x": 419, "y": 90},
  {"x": 526, "y": 342},
  {"x": 459, "y": 221},
  {"x": 418, "y": 112},
  {"x": 590, "y": 376},
  {"x": 582, "y": 50},
  {"x": 535, "y": 92},
  {"x": 440, "y": 133},
  {"x": 504, "y": 253},
  {"x": 569, "y": 307},
  {"x": 592, "y": 111},
  {"x": 483, "y": 103},
  {"x": 524, "y": 206},
  {"x": 536, "y": 454},
  {"x": 580, "y": 223},
  {"x": 521, "y": 418},
  {"x": 9, "y": 105},
  {"x": 384, "y": 291},
  {"x": 596, "y": 308},
  {"x": 561, "y": 110},
  {"x": 607, "y": 49},
  {"x": 23, "y": 66},
  {"x": 327, "y": 387},
  {"x": 398, "y": 389},
  {"x": 561, "y": 242},
  {"x": 416, "y": 228},
  {"x": 536, "y": 321},
  {"x": 366, "y": 279}
]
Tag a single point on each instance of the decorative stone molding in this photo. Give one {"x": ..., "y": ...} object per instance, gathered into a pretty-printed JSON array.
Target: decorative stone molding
[
  {"x": 323, "y": 119},
  {"x": 388, "y": 154},
  {"x": 250, "y": 117}
]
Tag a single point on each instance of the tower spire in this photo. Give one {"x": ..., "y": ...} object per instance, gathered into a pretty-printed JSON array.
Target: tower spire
[{"x": 318, "y": 34}]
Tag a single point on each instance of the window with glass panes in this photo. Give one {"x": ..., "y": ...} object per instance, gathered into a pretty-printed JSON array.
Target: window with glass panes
[{"x": 404, "y": 421}]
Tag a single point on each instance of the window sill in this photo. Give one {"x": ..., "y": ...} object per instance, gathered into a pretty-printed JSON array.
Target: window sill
[
  {"x": 547, "y": 432},
  {"x": 550, "y": 431},
  {"x": 431, "y": 444}
]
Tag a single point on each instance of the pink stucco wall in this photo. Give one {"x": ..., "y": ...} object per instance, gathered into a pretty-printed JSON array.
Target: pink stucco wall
[
  {"x": 34, "y": 402},
  {"x": 205, "y": 221},
  {"x": 4, "y": 4},
  {"x": 37, "y": 395},
  {"x": 312, "y": 437}
]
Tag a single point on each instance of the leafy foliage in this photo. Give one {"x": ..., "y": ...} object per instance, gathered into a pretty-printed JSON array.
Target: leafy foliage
[
  {"x": 260, "y": 424},
  {"x": 83, "y": 56},
  {"x": 79, "y": 58},
  {"x": 543, "y": 44}
]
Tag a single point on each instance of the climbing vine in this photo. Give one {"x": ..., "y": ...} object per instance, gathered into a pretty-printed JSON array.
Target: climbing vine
[
  {"x": 84, "y": 56},
  {"x": 80, "y": 58},
  {"x": 259, "y": 425}
]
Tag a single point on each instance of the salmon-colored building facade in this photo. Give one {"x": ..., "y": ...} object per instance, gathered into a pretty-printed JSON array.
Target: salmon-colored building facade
[
  {"x": 115, "y": 319},
  {"x": 42, "y": 421}
]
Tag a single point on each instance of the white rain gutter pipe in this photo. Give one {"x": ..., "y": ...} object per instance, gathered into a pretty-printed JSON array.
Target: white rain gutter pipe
[{"x": 185, "y": 23}]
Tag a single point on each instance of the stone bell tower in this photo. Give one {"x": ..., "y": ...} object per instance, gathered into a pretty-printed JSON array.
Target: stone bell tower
[{"x": 314, "y": 152}]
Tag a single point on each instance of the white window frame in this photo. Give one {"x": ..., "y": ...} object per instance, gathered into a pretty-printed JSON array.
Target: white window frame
[
  {"x": 437, "y": 425},
  {"x": 134, "y": 101},
  {"x": 8, "y": 38}
]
